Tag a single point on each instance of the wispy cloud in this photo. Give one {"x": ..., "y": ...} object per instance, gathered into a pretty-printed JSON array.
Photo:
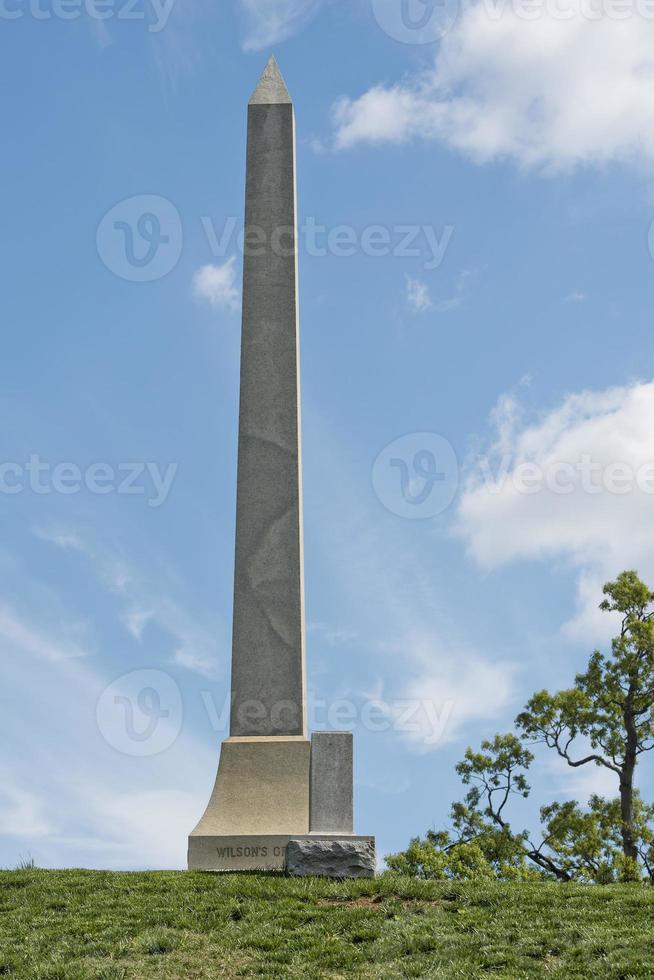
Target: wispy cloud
[
  {"x": 22, "y": 813},
  {"x": 25, "y": 637},
  {"x": 145, "y": 603},
  {"x": 217, "y": 285},
  {"x": 417, "y": 295},
  {"x": 100, "y": 809},
  {"x": 267, "y": 22},
  {"x": 204, "y": 665},
  {"x": 418, "y": 653},
  {"x": 419, "y": 300},
  {"x": 136, "y": 620},
  {"x": 445, "y": 690}
]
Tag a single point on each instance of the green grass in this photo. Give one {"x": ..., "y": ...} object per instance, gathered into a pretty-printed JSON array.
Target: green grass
[{"x": 74, "y": 925}]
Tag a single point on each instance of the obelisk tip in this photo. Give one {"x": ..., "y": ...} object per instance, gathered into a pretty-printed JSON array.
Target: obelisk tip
[{"x": 271, "y": 88}]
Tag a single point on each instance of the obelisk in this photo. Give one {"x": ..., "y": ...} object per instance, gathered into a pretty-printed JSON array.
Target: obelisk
[
  {"x": 268, "y": 667},
  {"x": 273, "y": 785}
]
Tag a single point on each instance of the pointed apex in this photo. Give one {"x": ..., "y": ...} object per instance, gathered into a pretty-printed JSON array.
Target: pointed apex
[{"x": 271, "y": 88}]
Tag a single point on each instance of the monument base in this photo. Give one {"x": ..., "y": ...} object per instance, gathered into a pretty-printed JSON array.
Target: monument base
[
  {"x": 262, "y": 799},
  {"x": 262, "y": 787},
  {"x": 252, "y": 852}
]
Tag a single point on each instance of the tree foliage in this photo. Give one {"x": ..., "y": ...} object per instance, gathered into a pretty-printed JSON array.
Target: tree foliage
[{"x": 605, "y": 719}]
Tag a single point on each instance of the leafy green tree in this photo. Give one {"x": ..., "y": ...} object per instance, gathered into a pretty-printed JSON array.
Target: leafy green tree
[
  {"x": 610, "y": 707},
  {"x": 472, "y": 849},
  {"x": 588, "y": 843},
  {"x": 577, "y": 844},
  {"x": 495, "y": 774},
  {"x": 610, "y": 710}
]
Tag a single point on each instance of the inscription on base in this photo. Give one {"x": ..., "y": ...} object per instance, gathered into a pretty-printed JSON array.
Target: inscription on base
[{"x": 248, "y": 853}]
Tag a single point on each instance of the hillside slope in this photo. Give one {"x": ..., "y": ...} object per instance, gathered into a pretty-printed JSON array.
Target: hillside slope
[{"x": 60, "y": 925}]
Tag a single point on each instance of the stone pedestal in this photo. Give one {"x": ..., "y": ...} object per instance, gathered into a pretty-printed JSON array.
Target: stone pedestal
[
  {"x": 332, "y": 781},
  {"x": 261, "y": 852},
  {"x": 259, "y": 800},
  {"x": 272, "y": 789}
]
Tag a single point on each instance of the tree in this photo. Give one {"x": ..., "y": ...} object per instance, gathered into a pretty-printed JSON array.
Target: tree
[
  {"x": 494, "y": 775},
  {"x": 472, "y": 849},
  {"x": 587, "y": 844},
  {"x": 577, "y": 844},
  {"x": 611, "y": 706}
]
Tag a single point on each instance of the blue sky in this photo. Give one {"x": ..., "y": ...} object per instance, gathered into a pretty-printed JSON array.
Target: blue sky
[{"x": 512, "y": 157}]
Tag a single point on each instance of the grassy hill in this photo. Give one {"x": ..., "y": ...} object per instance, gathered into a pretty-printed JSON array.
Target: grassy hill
[{"x": 59, "y": 925}]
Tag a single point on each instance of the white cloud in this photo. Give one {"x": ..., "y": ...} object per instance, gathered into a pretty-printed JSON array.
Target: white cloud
[
  {"x": 217, "y": 285},
  {"x": 147, "y": 602},
  {"x": 268, "y": 22},
  {"x": 577, "y": 784},
  {"x": 417, "y": 296},
  {"x": 153, "y": 824},
  {"x": 206, "y": 666},
  {"x": 577, "y": 483},
  {"x": 576, "y": 297},
  {"x": 547, "y": 92},
  {"x": 22, "y": 814},
  {"x": 70, "y": 797},
  {"x": 17, "y": 633},
  {"x": 419, "y": 299},
  {"x": 136, "y": 620},
  {"x": 378, "y": 580},
  {"x": 445, "y": 691}
]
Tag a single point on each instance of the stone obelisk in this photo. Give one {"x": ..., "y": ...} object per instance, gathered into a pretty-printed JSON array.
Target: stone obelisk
[
  {"x": 273, "y": 783},
  {"x": 268, "y": 672}
]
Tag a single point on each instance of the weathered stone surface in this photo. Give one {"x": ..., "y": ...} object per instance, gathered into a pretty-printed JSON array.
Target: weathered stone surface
[
  {"x": 271, "y": 87},
  {"x": 247, "y": 852},
  {"x": 263, "y": 792},
  {"x": 259, "y": 800},
  {"x": 331, "y": 783},
  {"x": 268, "y": 658},
  {"x": 336, "y": 858}
]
